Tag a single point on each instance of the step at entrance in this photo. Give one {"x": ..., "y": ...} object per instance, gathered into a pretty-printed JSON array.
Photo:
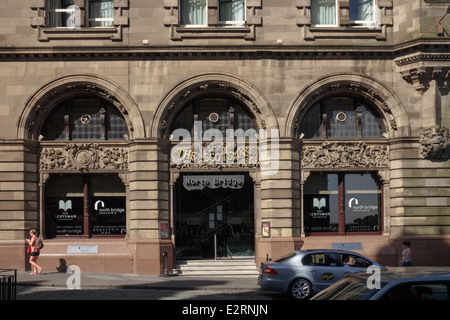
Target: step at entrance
[{"x": 226, "y": 267}]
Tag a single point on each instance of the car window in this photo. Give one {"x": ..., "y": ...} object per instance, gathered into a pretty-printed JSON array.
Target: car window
[
  {"x": 355, "y": 261},
  {"x": 419, "y": 291},
  {"x": 320, "y": 259}
]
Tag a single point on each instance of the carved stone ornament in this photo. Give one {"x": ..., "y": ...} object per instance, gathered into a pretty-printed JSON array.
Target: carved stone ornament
[
  {"x": 345, "y": 155},
  {"x": 434, "y": 142},
  {"x": 86, "y": 156}
]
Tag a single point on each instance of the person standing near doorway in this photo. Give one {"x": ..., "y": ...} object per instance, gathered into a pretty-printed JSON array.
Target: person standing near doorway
[{"x": 34, "y": 252}]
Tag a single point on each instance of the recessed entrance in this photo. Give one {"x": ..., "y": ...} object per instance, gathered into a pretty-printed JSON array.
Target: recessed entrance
[{"x": 214, "y": 216}]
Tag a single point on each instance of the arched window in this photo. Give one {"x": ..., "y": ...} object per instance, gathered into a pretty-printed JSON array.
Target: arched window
[
  {"x": 84, "y": 119},
  {"x": 214, "y": 113},
  {"x": 341, "y": 117}
]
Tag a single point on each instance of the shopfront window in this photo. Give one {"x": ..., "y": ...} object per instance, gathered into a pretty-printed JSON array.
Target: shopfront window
[
  {"x": 341, "y": 203},
  {"x": 362, "y": 203},
  {"x": 85, "y": 206}
]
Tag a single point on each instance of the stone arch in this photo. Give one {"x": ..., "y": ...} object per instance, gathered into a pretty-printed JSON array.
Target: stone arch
[
  {"x": 207, "y": 84},
  {"x": 394, "y": 116},
  {"x": 55, "y": 92}
]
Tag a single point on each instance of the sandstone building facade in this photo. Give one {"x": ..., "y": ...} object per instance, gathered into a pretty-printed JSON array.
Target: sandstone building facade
[{"x": 349, "y": 98}]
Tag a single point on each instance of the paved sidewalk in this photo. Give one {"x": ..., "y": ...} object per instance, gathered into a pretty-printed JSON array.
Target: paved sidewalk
[{"x": 90, "y": 280}]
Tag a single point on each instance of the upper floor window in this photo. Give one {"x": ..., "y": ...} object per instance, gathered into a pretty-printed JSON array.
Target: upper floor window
[
  {"x": 65, "y": 14},
  {"x": 341, "y": 117},
  {"x": 85, "y": 119},
  {"x": 232, "y": 12},
  {"x": 195, "y": 12},
  {"x": 61, "y": 14},
  {"x": 101, "y": 13},
  {"x": 324, "y": 13},
  {"x": 362, "y": 12}
]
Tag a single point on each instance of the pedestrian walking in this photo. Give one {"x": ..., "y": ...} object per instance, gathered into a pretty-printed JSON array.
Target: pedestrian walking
[
  {"x": 34, "y": 252},
  {"x": 406, "y": 260}
]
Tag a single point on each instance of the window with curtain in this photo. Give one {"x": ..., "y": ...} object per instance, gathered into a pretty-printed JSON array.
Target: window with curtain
[
  {"x": 101, "y": 13},
  {"x": 362, "y": 12},
  {"x": 232, "y": 12},
  {"x": 194, "y": 12},
  {"x": 324, "y": 13},
  {"x": 61, "y": 14}
]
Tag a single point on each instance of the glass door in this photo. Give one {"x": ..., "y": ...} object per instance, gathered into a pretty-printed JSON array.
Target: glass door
[{"x": 214, "y": 217}]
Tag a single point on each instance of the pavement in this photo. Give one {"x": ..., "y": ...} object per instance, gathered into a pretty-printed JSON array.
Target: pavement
[{"x": 88, "y": 280}]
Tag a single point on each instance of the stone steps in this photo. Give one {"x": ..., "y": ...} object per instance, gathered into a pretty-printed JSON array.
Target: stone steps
[{"x": 225, "y": 267}]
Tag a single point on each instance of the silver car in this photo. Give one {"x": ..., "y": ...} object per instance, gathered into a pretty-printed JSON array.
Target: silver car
[
  {"x": 304, "y": 273},
  {"x": 410, "y": 283}
]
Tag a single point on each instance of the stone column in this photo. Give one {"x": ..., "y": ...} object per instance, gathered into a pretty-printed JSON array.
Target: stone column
[
  {"x": 280, "y": 204},
  {"x": 19, "y": 194},
  {"x": 149, "y": 205}
]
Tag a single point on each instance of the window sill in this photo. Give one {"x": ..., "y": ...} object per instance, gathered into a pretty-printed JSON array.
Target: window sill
[
  {"x": 344, "y": 32},
  {"x": 204, "y": 32},
  {"x": 107, "y": 33}
]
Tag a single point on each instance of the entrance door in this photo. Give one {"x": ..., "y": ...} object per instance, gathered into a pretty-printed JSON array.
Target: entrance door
[{"x": 214, "y": 216}]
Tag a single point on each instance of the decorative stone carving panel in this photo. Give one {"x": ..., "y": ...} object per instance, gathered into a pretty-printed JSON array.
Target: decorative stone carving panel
[
  {"x": 83, "y": 157},
  {"x": 345, "y": 155},
  {"x": 434, "y": 142}
]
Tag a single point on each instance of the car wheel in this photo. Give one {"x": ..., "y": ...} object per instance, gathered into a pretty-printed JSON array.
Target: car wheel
[{"x": 300, "y": 289}]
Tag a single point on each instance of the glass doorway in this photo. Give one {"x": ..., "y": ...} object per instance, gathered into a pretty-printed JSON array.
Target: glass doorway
[{"x": 214, "y": 216}]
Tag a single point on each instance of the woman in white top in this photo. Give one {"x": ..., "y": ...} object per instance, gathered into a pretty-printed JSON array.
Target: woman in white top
[{"x": 406, "y": 260}]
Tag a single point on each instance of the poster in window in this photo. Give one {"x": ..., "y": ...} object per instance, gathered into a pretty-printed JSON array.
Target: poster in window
[
  {"x": 109, "y": 216},
  {"x": 164, "y": 230},
  {"x": 362, "y": 203},
  {"x": 265, "y": 229},
  {"x": 66, "y": 216},
  {"x": 362, "y": 213},
  {"x": 319, "y": 216}
]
